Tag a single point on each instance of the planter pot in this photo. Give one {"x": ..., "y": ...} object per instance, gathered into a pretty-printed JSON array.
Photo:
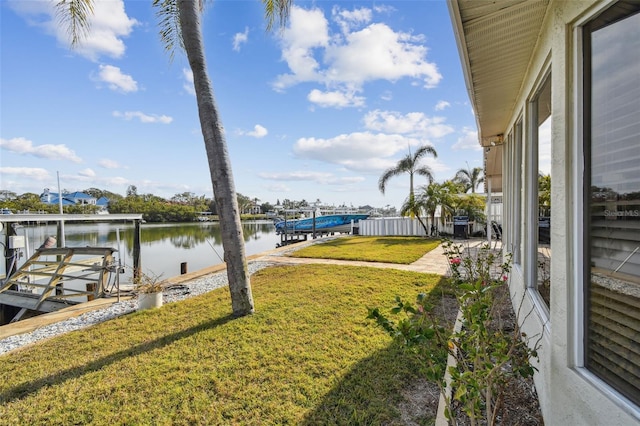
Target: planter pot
[{"x": 149, "y": 300}]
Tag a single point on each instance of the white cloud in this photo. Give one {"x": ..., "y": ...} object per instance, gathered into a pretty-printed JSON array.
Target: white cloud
[
  {"x": 442, "y": 105},
  {"x": 109, "y": 25},
  {"x": 87, "y": 173},
  {"x": 307, "y": 30},
  {"x": 377, "y": 52},
  {"x": 187, "y": 74},
  {"x": 144, "y": 118},
  {"x": 115, "y": 181},
  {"x": 109, "y": 164},
  {"x": 353, "y": 58},
  {"x": 240, "y": 38},
  {"x": 258, "y": 131},
  {"x": 277, "y": 188},
  {"x": 414, "y": 123},
  {"x": 468, "y": 141},
  {"x": 309, "y": 176},
  {"x": 350, "y": 19},
  {"x": 52, "y": 152},
  {"x": 26, "y": 172},
  {"x": 116, "y": 80},
  {"x": 384, "y": 9},
  {"x": 355, "y": 151},
  {"x": 297, "y": 176},
  {"x": 335, "y": 99}
]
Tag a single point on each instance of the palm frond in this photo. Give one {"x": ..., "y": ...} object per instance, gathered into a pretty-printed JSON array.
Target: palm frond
[
  {"x": 388, "y": 174},
  {"x": 424, "y": 150},
  {"x": 74, "y": 16},
  {"x": 426, "y": 172},
  {"x": 169, "y": 24},
  {"x": 276, "y": 10}
]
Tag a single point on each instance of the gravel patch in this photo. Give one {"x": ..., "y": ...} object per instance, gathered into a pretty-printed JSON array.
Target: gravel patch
[{"x": 171, "y": 294}]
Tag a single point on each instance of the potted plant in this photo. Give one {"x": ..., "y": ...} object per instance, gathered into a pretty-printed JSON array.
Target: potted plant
[{"x": 149, "y": 291}]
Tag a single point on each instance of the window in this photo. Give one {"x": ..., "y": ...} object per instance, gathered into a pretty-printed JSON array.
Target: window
[
  {"x": 611, "y": 112},
  {"x": 540, "y": 122},
  {"x": 518, "y": 189}
]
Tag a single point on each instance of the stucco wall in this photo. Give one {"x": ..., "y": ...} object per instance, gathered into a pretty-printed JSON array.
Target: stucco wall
[{"x": 569, "y": 394}]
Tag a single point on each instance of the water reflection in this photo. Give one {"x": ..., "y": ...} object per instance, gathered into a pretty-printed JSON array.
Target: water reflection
[{"x": 163, "y": 246}]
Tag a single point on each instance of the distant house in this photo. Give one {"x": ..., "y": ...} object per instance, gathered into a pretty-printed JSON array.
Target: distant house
[
  {"x": 102, "y": 202},
  {"x": 74, "y": 199}
]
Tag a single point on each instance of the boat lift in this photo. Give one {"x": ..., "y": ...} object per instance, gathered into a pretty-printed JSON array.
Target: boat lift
[
  {"x": 57, "y": 277},
  {"x": 43, "y": 282}
]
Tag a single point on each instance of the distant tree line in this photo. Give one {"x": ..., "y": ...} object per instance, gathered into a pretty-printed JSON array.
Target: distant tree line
[{"x": 184, "y": 207}]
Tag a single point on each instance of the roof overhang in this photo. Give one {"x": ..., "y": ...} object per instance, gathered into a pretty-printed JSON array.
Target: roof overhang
[{"x": 496, "y": 40}]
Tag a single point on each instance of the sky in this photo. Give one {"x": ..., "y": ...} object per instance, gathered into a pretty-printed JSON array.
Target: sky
[{"x": 317, "y": 110}]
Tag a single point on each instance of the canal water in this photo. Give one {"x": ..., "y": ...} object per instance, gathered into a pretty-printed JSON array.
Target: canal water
[{"x": 164, "y": 247}]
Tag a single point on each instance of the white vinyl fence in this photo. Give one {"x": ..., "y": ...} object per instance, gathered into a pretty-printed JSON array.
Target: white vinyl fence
[
  {"x": 392, "y": 226},
  {"x": 405, "y": 226}
]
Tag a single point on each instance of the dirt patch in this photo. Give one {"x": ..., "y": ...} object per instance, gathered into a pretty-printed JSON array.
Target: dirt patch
[{"x": 420, "y": 404}]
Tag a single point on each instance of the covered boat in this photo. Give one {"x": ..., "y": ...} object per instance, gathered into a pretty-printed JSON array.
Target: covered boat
[{"x": 328, "y": 223}]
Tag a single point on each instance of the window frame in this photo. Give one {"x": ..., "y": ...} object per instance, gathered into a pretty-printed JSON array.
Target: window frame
[
  {"x": 531, "y": 202},
  {"x": 581, "y": 174},
  {"x": 518, "y": 137}
]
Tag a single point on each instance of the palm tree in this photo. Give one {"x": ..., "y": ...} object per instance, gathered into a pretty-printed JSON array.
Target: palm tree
[
  {"x": 544, "y": 194},
  {"x": 409, "y": 164},
  {"x": 431, "y": 197},
  {"x": 473, "y": 206},
  {"x": 413, "y": 207},
  {"x": 449, "y": 199},
  {"x": 470, "y": 178},
  {"x": 180, "y": 26}
]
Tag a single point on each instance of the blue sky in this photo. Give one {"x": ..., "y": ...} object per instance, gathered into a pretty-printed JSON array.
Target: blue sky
[{"x": 316, "y": 111}]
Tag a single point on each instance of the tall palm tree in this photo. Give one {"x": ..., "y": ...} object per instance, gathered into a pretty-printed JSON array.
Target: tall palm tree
[
  {"x": 409, "y": 164},
  {"x": 180, "y": 26},
  {"x": 471, "y": 178}
]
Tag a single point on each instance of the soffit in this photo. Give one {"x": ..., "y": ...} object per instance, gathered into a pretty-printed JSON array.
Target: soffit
[
  {"x": 496, "y": 40},
  {"x": 493, "y": 168}
]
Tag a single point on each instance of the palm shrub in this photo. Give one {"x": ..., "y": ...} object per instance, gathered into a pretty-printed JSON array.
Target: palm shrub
[{"x": 487, "y": 354}]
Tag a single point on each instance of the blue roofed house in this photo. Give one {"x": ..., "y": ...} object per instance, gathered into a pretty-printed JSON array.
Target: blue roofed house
[
  {"x": 103, "y": 203},
  {"x": 555, "y": 90},
  {"x": 74, "y": 199}
]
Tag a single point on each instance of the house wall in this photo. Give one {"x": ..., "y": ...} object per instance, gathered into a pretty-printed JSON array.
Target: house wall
[{"x": 568, "y": 393}]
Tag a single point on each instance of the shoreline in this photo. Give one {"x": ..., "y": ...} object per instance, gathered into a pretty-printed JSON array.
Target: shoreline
[{"x": 22, "y": 333}]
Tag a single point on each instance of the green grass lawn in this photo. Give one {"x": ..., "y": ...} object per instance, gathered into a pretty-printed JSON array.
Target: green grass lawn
[
  {"x": 403, "y": 250},
  {"x": 308, "y": 356}
]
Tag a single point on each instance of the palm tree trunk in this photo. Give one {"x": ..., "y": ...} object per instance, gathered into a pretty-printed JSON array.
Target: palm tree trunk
[
  {"x": 411, "y": 185},
  {"x": 219, "y": 162}
]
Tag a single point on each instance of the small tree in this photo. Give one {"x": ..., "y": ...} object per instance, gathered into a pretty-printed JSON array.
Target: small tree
[{"x": 487, "y": 355}]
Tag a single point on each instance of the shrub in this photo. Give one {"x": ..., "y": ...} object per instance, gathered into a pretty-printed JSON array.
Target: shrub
[{"x": 487, "y": 355}]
